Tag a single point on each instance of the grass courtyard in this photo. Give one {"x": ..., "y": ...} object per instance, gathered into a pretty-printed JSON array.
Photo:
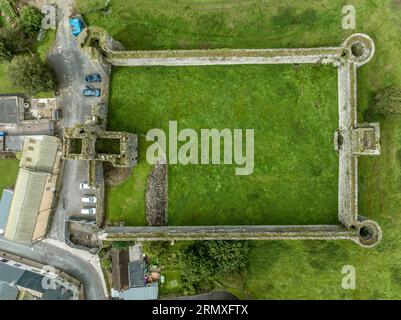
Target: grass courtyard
[
  {"x": 285, "y": 269},
  {"x": 294, "y": 121}
]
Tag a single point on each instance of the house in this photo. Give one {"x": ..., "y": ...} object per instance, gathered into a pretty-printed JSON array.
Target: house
[
  {"x": 11, "y": 110},
  {"x": 32, "y": 201},
  {"x": 19, "y": 280},
  {"x": 129, "y": 276}
]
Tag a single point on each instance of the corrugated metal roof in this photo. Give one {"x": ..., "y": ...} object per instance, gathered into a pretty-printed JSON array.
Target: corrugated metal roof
[
  {"x": 25, "y": 206},
  {"x": 37, "y": 163},
  {"x": 5, "y": 204},
  {"x": 39, "y": 153}
]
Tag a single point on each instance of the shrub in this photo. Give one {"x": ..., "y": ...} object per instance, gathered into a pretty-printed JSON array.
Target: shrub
[
  {"x": 205, "y": 261},
  {"x": 31, "y": 20}
]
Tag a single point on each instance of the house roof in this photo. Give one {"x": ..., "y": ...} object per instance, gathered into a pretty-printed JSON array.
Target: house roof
[
  {"x": 31, "y": 280},
  {"x": 37, "y": 163},
  {"x": 10, "y": 110},
  {"x": 8, "y": 292},
  {"x": 136, "y": 271},
  {"x": 142, "y": 293},
  {"x": 25, "y": 206},
  {"x": 5, "y": 204},
  {"x": 12, "y": 275},
  {"x": 120, "y": 260},
  {"x": 39, "y": 153},
  {"x": 9, "y": 273}
]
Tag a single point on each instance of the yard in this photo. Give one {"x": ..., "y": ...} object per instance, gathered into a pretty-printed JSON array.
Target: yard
[
  {"x": 294, "y": 121},
  {"x": 282, "y": 269},
  {"x": 8, "y": 173}
]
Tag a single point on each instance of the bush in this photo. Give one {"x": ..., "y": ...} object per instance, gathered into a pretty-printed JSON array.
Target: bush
[
  {"x": 31, "y": 20},
  {"x": 30, "y": 74},
  {"x": 205, "y": 261},
  {"x": 388, "y": 102},
  {"x": 5, "y": 54},
  {"x": 122, "y": 245}
]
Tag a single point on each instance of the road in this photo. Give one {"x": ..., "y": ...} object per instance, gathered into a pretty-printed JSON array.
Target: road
[
  {"x": 72, "y": 264},
  {"x": 71, "y": 66}
]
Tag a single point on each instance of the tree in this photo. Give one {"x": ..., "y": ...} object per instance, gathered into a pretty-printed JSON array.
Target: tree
[
  {"x": 30, "y": 74},
  {"x": 13, "y": 40},
  {"x": 388, "y": 102},
  {"x": 5, "y": 54},
  {"x": 205, "y": 261},
  {"x": 31, "y": 20}
]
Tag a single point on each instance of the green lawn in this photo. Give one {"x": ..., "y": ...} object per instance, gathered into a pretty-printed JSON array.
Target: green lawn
[
  {"x": 298, "y": 269},
  {"x": 8, "y": 173},
  {"x": 294, "y": 121}
]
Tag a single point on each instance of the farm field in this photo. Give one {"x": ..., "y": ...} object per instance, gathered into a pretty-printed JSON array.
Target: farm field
[{"x": 285, "y": 269}]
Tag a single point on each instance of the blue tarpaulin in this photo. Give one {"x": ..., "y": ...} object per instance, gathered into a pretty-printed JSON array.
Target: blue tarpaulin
[{"x": 77, "y": 26}]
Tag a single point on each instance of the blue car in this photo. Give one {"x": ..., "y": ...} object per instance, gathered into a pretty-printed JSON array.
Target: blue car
[
  {"x": 91, "y": 92},
  {"x": 94, "y": 77}
]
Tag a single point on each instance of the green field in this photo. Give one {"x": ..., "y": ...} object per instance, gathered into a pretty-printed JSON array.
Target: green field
[
  {"x": 294, "y": 121},
  {"x": 8, "y": 173},
  {"x": 298, "y": 269}
]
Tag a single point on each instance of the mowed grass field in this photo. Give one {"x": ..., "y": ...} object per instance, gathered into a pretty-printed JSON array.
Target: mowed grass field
[
  {"x": 293, "y": 111},
  {"x": 294, "y": 269}
]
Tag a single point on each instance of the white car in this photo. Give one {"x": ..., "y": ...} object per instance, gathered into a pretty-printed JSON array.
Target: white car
[
  {"x": 88, "y": 211},
  {"x": 84, "y": 186},
  {"x": 88, "y": 199}
]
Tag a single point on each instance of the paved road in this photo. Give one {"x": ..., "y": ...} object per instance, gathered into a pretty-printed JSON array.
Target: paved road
[
  {"x": 71, "y": 66},
  {"x": 61, "y": 259}
]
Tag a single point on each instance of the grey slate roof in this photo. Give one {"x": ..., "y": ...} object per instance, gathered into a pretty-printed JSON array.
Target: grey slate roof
[
  {"x": 11, "y": 112},
  {"x": 9, "y": 273},
  {"x": 28, "y": 280},
  {"x": 8, "y": 292},
  {"x": 31, "y": 280},
  {"x": 136, "y": 270}
]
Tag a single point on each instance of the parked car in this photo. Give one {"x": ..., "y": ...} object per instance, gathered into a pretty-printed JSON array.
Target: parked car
[
  {"x": 88, "y": 210},
  {"x": 88, "y": 199},
  {"x": 94, "y": 77},
  {"x": 91, "y": 92},
  {"x": 84, "y": 186}
]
